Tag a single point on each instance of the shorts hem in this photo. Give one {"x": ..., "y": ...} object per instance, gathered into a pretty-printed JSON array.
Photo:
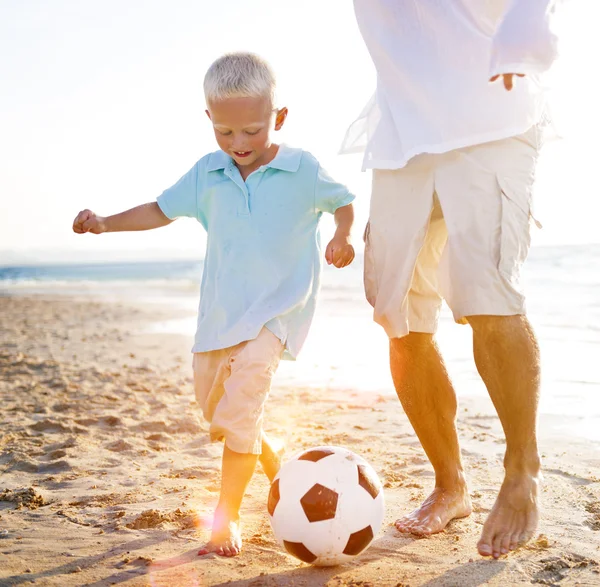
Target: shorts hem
[
  {"x": 392, "y": 330},
  {"x": 237, "y": 446},
  {"x": 244, "y": 447},
  {"x": 463, "y": 310},
  {"x": 423, "y": 326}
]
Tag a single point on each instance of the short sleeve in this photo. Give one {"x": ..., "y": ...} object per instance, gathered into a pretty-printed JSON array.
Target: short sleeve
[
  {"x": 329, "y": 194},
  {"x": 524, "y": 41},
  {"x": 181, "y": 199}
]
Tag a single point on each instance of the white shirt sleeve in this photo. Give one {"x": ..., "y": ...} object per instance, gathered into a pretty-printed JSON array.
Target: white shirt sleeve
[{"x": 524, "y": 41}]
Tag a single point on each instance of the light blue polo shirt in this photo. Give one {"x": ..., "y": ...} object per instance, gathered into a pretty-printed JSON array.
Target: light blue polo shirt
[{"x": 263, "y": 254}]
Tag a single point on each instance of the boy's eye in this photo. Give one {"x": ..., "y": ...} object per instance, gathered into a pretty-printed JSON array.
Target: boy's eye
[
  {"x": 224, "y": 133},
  {"x": 253, "y": 132}
]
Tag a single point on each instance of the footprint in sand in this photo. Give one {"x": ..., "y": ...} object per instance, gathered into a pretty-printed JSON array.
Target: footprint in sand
[{"x": 50, "y": 426}]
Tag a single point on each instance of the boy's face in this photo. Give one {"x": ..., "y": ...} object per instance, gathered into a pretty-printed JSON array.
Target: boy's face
[{"x": 243, "y": 128}]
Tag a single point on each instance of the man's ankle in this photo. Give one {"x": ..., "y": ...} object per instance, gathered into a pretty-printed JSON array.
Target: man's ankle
[
  {"x": 522, "y": 463},
  {"x": 451, "y": 481}
]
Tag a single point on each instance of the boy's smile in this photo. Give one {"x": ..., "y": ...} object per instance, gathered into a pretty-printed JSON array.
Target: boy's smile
[{"x": 243, "y": 129}]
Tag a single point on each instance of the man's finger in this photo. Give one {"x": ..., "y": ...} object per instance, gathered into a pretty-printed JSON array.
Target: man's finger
[
  {"x": 508, "y": 81},
  {"x": 493, "y": 79}
]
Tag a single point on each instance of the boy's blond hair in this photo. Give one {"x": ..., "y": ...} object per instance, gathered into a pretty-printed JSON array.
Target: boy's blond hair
[{"x": 239, "y": 75}]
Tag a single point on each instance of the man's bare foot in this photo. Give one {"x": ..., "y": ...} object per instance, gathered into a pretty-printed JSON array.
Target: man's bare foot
[
  {"x": 514, "y": 517},
  {"x": 224, "y": 541},
  {"x": 271, "y": 457},
  {"x": 442, "y": 506}
]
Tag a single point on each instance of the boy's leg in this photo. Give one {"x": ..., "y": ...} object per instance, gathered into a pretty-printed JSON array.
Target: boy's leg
[
  {"x": 271, "y": 455},
  {"x": 237, "y": 419},
  {"x": 237, "y": 470}
]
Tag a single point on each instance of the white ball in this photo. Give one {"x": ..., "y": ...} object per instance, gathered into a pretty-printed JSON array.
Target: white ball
[{"x": 326, "y": 505}]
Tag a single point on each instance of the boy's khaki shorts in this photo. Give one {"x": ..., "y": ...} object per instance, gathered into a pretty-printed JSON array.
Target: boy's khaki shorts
[
  {"x": 232, "y": 386},
  {"x": 454, "y": 226}
]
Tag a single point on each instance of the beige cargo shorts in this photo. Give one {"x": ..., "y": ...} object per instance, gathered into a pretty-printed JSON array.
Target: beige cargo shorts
[
  {"x": 232, "y": 386},
  {"x": 454, "y": 226}
]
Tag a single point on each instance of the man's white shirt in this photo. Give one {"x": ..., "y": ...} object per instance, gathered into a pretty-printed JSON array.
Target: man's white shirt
[{"x": 434, "y": 59}]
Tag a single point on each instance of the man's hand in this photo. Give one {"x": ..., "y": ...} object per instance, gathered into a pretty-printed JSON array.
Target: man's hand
[
  {"x": 87, "y": 221},
  {"x": 507, "y": 78},
  {"x": 339, "y": 252}
]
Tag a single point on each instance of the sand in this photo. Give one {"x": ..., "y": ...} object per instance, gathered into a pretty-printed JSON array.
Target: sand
[{"x": 107, "y": 476}]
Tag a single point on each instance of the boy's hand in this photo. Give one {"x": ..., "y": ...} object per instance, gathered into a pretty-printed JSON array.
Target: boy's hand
[
  {"x": 87, "y": 221},
  {"x": 339, "y": 252}
]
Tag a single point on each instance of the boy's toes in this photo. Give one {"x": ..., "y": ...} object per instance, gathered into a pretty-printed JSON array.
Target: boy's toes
[
  {"x": 231, "y": 550},
  {"x": 227, "y": 542}
]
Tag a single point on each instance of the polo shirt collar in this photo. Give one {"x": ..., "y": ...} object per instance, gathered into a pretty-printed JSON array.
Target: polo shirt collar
[
  {"x": 219, "y": 160},
  {"x": 287, "y": 159}
]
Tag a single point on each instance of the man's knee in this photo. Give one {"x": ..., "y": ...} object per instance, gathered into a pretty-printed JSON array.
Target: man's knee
[
  {"x": 496, "y": 324},
  {"x": 413, "y": 344}
]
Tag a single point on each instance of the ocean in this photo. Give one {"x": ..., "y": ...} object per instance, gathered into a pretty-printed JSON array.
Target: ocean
[{"x": 346, "y": 350}]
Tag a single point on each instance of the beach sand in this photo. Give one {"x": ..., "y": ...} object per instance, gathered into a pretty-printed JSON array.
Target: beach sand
[{"x": 107, "y": 476}]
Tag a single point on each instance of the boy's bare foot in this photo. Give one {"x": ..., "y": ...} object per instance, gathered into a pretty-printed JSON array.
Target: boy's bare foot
[
  {"x": 271, "y": 457},
  {"x": 514, "y": 517},
  {"x": 226, "y": 541},
  {"x": 442, "y": 506}
]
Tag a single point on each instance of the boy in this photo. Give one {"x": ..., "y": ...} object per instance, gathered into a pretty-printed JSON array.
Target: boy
[{"x": 260, "y": 204}]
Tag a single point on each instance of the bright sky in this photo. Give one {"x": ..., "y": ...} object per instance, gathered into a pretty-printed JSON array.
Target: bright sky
[{"x": 101, "y": 107}]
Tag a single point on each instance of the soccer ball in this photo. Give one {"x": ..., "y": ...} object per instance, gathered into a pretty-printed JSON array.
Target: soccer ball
[{"x": 326, "y": 505}]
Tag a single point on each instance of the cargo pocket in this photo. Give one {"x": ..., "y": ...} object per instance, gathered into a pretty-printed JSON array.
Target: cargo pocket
[
  {"x": 369, "y": 271},
  {"x": 515, "y": 230}
]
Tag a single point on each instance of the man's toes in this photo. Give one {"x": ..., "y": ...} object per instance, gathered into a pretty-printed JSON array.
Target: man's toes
[
  {"x": 514, "y": 541},
  {"x": 497, "y": 544},
  {"x": 403, "y": 524},
  {"x": 484, "y": 546},
  {"x": 525, "y": 537},
  {"x": 505, "y": 543}
]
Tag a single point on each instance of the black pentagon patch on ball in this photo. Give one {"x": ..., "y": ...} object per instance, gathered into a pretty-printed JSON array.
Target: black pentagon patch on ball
[
  {"x": 315, "y": 455},
  {"x": 319, "y": 503},
  {"x": 300, "y": 551},
  {"x": 273, "y": 497},
  {"x": 369, "y": 481},
  {"x": 358, "y": 541}
]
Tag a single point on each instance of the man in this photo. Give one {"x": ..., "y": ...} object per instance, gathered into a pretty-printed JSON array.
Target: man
[{"x": 453, "y": 140}]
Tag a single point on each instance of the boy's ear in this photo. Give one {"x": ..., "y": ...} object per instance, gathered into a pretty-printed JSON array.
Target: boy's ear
[
  {"x": 208, "y": 114},
  {"x": 280, "y": 117}
]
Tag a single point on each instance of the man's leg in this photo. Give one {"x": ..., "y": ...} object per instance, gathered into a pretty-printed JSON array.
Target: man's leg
[
  {"x": 237, "y": 470},
  {"x": 507, "y": 358},
  {"x": 427, "y": 396}
]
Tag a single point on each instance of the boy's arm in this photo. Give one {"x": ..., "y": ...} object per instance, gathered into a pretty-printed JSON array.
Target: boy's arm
[
  {"x": 144, "y": 217},
  {"x": 340, "y": 251}
]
